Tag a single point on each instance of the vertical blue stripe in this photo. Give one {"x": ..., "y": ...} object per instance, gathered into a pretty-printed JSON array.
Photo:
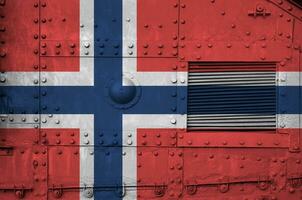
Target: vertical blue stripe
[{"x": 108, "y": 120}]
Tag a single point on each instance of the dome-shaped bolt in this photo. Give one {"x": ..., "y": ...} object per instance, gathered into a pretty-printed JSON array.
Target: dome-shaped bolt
[
  {"x": 173, "y": 121},
  {"x": 2, "y": 79}
]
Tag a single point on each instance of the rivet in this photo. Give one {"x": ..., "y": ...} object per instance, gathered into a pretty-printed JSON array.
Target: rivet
[
  {"x": 3, "y": 54},
  {"x": 86, "y": 44},
  {"x": 173, "y": 121},
  {"x": 262, "y": 57},
  {"x": 2, "y": 79},
  {"x": 173, "y": 80},
  {"x": 129, "y": 142},
  {"x": 58, "y": 45}
]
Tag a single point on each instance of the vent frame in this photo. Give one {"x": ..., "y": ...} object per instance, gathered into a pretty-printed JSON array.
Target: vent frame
[{"x": 268, "y": 68}]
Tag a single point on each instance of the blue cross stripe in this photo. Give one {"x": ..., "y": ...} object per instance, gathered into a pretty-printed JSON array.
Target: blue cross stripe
[{"x": 92, "y": 100}]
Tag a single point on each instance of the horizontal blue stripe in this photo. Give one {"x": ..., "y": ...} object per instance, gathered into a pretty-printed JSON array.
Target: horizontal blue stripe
[{"x": 89, "y": 100}]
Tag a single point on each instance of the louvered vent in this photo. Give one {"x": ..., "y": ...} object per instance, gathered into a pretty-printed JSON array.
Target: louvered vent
[{"x": 231, "y": 96}]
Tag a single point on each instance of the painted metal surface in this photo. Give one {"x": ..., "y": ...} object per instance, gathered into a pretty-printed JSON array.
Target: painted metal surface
[{"x": 95, "y": 99}]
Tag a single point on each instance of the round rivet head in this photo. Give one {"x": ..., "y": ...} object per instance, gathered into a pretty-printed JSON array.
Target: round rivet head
[
  {"x": 3, "y": 54},
  {"x": 2, "y": 79},
  {"x": 87, "y": 44},
  {"x": 88, "y": 193},
  {"x": 129, "y": 142},
  {"x": 182, "y": 80},
  {"x": 173, "y": 80},
  {"x": 173, "y": 121}
]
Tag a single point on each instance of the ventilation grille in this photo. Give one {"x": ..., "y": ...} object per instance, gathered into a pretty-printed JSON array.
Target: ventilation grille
[{"x": 231, "y": 96}]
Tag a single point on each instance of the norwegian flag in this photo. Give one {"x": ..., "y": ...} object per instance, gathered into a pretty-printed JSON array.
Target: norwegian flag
[
  {"x": 69, "y": 92},
  {"x": 103, "y": 90}
]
